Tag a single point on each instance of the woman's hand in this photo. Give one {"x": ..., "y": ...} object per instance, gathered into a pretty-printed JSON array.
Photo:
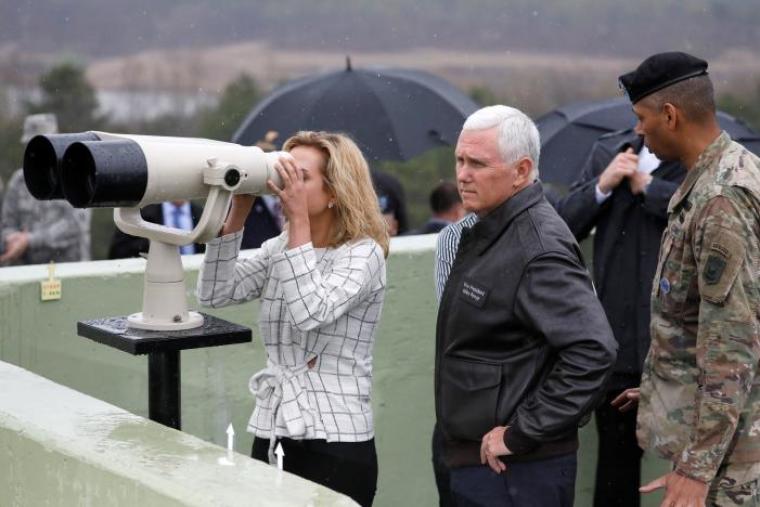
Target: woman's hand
[
  {"x": 294, "y": 201},
  {"x": 293, "y": 192}
]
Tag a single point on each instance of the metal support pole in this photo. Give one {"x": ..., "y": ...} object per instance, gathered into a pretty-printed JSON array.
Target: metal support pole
[{"x": 164, "y": 403}]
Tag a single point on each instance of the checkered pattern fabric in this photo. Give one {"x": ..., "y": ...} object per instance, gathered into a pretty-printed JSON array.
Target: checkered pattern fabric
[{"x": 316, "y": 304}]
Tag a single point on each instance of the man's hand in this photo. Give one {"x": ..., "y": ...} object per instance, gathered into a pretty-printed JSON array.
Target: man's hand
[
  {"x": 680, "y": 491},
  {"x": 639, "y": 182},
  {"x": 626, "y": 400},
  {"x": 492, "y": 446},
  {"x": 16, "y": 243},
  {"x": 622, "y": 166}
]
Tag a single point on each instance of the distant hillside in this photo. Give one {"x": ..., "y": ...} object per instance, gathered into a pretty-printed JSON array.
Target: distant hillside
[
  {"x": 537, "y": 53},
  {"x": 536, "y": 81},
  {"x": 100, "y": 28}
]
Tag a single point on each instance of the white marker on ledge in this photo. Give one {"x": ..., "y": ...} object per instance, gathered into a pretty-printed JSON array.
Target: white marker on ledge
[
  {"x": 229, "y": 460},
  {"x": 280, "y": 455},
  {"x": 230, "y": 440}
]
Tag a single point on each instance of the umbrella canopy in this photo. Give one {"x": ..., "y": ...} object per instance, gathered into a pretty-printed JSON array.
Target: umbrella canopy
[
  {"x": 392, "y": 114},
  {"x": 569, "y": 132}
]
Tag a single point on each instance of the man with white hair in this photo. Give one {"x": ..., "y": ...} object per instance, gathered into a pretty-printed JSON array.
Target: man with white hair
[
  {"x": 523, "y": 347},
  {"x": 37, "y": 232}
]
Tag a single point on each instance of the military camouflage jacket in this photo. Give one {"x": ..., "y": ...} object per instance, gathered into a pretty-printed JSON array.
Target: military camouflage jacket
[
  {"x": 700, "y": 392},
  {"x": 57, "y": 231}
]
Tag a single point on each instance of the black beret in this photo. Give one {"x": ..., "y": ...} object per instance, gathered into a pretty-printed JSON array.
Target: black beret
[{"x": 660, "y": 71}]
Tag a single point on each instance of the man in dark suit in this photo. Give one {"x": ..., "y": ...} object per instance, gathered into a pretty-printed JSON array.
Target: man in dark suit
[
  {"x": 177, "y": 214},
  {"x": 623, "y": 192},
  {"x": 447, "y": 208},
  {"x": 263, "y": 222}
]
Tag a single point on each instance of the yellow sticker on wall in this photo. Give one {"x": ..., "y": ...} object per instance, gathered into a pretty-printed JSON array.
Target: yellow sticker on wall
[{"x": 50, "y": 289}]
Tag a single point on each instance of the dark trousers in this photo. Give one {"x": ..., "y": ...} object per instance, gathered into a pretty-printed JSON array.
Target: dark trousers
[
  {"x": 618, "y": 464},
  {"x": 441, "y": 470},
  {"x": 548, "y": 482},
  {"x": 346, "y": 467}
]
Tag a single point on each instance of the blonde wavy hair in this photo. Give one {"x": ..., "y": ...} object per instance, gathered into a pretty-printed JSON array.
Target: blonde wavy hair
[{"x": 346, "y": 174}]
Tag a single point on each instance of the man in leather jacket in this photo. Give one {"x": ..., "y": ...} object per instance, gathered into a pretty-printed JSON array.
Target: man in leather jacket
[{"x": 523, "y": 347}]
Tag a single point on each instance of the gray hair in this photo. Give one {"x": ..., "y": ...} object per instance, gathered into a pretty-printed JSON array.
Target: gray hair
[{"x": 518, "y": 135}]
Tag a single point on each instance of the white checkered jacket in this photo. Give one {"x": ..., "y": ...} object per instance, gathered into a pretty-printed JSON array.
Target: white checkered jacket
[{"x": 321, "y": 304}]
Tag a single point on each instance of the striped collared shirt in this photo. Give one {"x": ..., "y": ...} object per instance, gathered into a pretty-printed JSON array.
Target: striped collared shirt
[{"x": 446, "y": 250}]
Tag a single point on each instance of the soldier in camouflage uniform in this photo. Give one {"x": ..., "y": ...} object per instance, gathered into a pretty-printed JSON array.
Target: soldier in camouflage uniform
[
  {"x": 35, "y": 232},
  {"x": 700, "y": 392}
]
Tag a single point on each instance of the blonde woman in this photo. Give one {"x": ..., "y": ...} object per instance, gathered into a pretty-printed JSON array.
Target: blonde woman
[{"x": 321, "y": 284}]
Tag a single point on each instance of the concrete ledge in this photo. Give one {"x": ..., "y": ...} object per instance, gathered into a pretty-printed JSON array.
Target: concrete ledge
[
  {"x": 42, "y": 338},
  {"x": 61, "y": 447},
  {"x": 22, "y": 274}
]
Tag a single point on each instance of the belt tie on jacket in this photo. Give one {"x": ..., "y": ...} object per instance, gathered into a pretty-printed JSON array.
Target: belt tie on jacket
[{"x": 282, "y": 386}]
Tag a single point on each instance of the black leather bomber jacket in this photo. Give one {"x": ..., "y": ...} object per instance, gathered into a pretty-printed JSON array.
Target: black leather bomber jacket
[{"x": 521, "y": 338}]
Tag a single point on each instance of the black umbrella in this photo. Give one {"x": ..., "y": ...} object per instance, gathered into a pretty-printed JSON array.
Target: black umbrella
[
  {"x": 393, "y": 114},
  {"x": 568, "y": 133}
]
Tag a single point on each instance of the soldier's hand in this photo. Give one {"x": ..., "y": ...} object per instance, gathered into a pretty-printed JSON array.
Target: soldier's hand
[
  {"x": 680, "y": 491},
  {"x": 16, "y": 244},
  {"x": 639, "y": 182},
  {"x": 622, "y": 166},
  {"x": 626, "y": 400}
]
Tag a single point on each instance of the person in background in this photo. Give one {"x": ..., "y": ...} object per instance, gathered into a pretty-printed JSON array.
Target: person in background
[
  {"x": 523, "y": 347},
  {"x": 322, "y": 284},
  {"x": 2, "y": 193},
  {"x": 446, "y": 206},
  {"x": 699, "y": 403},
  {"x": 265, "y": 220},
  {"x": 181, "y": 214},
  {"x": 390, "y": 196},
  {"x": 36, "y": 232},
  {"x": 623, "y": 191}
]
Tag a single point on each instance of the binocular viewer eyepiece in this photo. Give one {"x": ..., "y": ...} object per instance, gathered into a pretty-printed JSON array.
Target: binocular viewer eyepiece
[
  {"x": 100, "y": 169},
  {"x": 42, "y": 163}
]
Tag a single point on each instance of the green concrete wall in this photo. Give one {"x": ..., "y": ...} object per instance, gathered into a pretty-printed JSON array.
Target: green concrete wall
[
  {"x": 61, "y": 447},
  {"x": 42, "y": 337}
]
